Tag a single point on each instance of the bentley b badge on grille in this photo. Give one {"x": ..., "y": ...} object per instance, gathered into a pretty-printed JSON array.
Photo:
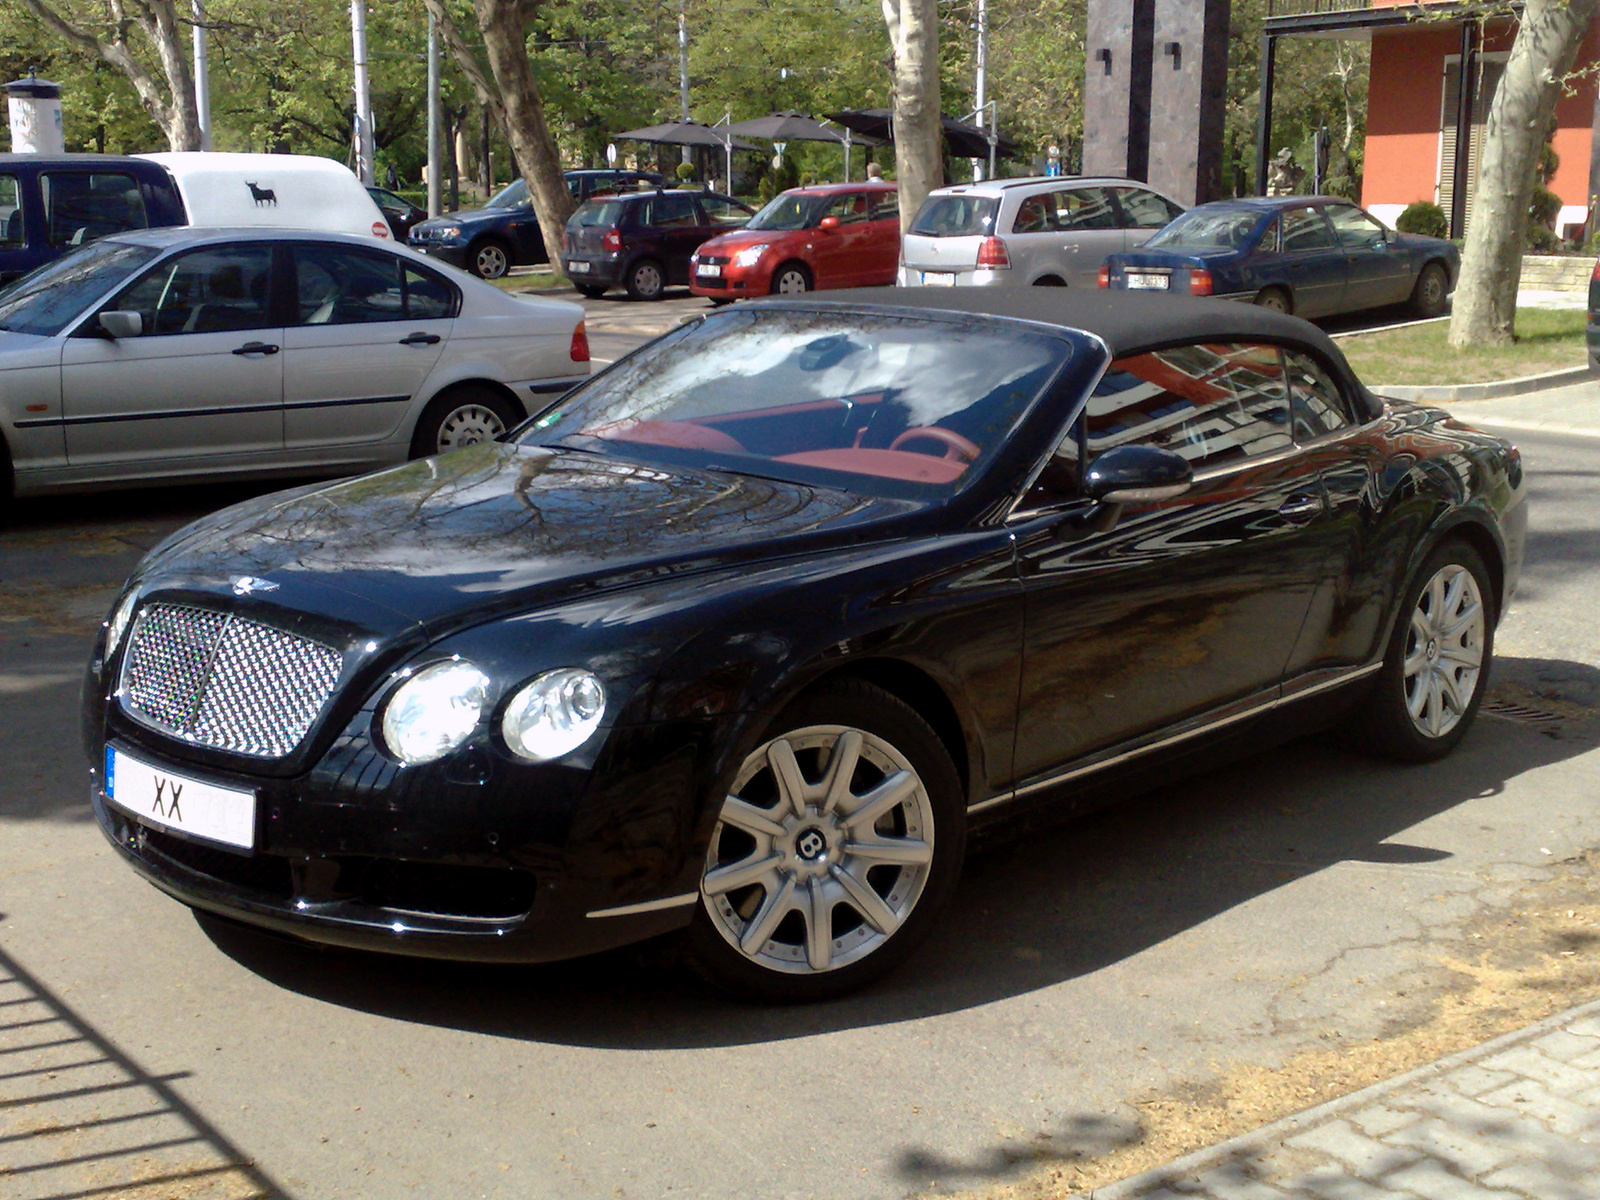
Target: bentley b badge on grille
[{"x": 249, "y": 585}]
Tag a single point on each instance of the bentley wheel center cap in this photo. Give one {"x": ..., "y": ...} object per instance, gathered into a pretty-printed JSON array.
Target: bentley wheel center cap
[
  {"x": 1433, "y": 650},
  {"x": 811, "y": 845}
]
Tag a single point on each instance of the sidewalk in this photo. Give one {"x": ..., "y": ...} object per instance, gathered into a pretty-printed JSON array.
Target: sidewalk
[
  {"x": 1517, "y": 1118},
  {"x": 1572, "y": 410}
]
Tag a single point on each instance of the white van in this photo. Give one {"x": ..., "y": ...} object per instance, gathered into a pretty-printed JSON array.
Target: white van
[{"x": 298, "y": 191}]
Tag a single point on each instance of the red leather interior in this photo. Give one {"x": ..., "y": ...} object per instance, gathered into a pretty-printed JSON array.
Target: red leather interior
[
  {"x": 686, "y": 435},
  {"x": 889, "y": 464}
]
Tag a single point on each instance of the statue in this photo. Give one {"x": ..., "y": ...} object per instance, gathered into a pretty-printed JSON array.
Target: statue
[{"x": 1285, "y": 175}]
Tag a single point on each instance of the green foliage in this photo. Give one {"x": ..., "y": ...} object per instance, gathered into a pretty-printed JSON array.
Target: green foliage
[
  {"x": 1425, "y": 218},
  {"x": 1543, "y": 207},
  {"x": 685, "y": 172}
]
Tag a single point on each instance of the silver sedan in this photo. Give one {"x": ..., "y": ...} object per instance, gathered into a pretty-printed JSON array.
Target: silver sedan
[{"x": 171, "y": 354}]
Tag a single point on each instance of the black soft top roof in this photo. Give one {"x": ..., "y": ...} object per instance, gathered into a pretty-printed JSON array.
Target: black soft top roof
[{"x": 1129, "y": 323}]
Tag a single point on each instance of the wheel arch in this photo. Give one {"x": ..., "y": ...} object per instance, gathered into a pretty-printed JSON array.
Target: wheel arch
[
  {"x": 498, "y": 386},
  {"x": 1481, "y": 538},
  {"x": 1049, "y": 279},
  {"x": 811, "y": 278}
]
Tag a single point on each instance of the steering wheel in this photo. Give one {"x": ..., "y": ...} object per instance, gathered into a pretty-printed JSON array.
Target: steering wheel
[{"x": 956, "y": 448}]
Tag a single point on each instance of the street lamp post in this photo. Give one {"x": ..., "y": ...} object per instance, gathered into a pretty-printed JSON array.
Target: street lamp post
[{"x": 363, "y": 131}]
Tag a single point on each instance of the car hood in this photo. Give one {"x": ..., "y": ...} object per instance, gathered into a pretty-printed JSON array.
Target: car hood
[
  {"x": 452, "y": 541},
  {"x": 730, "y": 243},
  {"x": 27, "y": 350},
  {"x": 467, "y": 216}
]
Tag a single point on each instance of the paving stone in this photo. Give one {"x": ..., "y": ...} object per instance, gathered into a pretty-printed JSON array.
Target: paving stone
[
  {"x": 1585, "y": 1026},
  {"x": 1430, "y": 1180},
  {"x": 1564, "y": 1046},
  {"x": 1439, "y": 1100},
  {"x": 1565, "y": 1117},
  {"x": 1461, "y": 1148},
  {"x": 1529, "y": 1063},
  {"x": 1364, "y": 1156},
  {"x": 1473, "y": 1080},
  {"x": 1336, "y": 1185},
  {"x": 1539, "y": 1180},
  {"x": 1381, "y": 1119},
  {"x": 1236, "y": 1183}
]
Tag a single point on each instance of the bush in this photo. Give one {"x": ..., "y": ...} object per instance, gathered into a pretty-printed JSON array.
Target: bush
[
  {"x": 1543, "y": 208},
  {"x": 1425, "y": 218},
  {"x": 685, "y": 172}
]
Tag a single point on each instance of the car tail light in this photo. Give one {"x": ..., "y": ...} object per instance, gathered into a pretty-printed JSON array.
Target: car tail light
[
  {"x": 1105, "y": 277},
  {"x": 1199, "y": 282},
  {"x": 992, "y": 253},
  {"x": 612, "y": 240},
  {"x": 580, "y": 344}
]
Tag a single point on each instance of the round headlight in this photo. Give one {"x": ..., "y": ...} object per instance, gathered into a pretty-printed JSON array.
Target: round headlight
[
  {"x": 554, "y": 714},
  {"x": 118, "y": 624},
  {"x": 434, "y": 711}
]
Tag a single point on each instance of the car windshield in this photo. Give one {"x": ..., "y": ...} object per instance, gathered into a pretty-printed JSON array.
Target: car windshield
[
  {"x": 788, "y": 212},
  {"x": 1216, "y": 229},
  {"x": 956, "y": 216},
  {"x": 877, "y": 404},
  {"x": 45, "y": 301},
  {"x": 513, "y": 195}
]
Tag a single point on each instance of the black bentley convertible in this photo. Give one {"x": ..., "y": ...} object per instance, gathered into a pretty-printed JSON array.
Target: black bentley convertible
[{"x": 744, "y": 635}]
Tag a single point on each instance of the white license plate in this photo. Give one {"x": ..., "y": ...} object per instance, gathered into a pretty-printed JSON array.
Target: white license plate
[
  {"x": 1143, "y": 281},
  {"x": 709, "y": 270},
  {"x": 938, "y": 279},
  {"x": 161, "y": 797},
  {"x": 577, "y": 268}
]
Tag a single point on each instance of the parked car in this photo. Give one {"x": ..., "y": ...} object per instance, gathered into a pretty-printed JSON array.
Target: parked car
[
  {"x": 180, "y": 354},
  {"x": 504, "y": 233},
  {"x": 53, "y": 203},
  {"x": 645, "y": 241},
  {"x": 1313, "y": 256},
  {"x": 1047, "y": 232},
  {"x": 745, "y": 634},
  {"x": 1592, "y": 328},
  {"x": 806, "y": 239},
  {"x": 397, "y": 210}
]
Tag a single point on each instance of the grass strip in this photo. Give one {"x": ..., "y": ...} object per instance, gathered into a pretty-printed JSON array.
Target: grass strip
[{"x": 1548, "y": 339}]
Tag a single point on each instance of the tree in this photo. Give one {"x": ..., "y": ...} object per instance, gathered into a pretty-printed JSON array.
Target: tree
[
  {"x": 1548, "y": 35},
  {"x": 914, "y": 67},
  {"x": 173, "y": 108}
]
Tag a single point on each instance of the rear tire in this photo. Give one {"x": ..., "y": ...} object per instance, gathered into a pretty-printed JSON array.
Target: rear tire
[
  {"x": 1274, "y": 299},
  {"x": 786, "y": 855},
  {"x": 1432, "y": 290},
  {"x": 592, "y": 290},
  {"x": 646, "y": 280},
  {"x": 1437, "y": 665},
  {"x": 462, "y": 416},
  {"x": 790, "y": 279}
]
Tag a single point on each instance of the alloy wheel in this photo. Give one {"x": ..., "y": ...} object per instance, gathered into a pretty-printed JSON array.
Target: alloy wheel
[
  {"x": 1444, "y": 651},
  {"x": 491, "y": 261},
  {"x": 823, "y": 847},
  {"x": 467, "y": 426}
]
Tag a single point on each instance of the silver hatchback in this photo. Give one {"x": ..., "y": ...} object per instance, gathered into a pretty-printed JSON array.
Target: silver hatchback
[{"x": 1046, "y": 231}]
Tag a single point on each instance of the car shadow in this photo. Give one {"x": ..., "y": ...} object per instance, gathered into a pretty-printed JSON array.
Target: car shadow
[{"x": 1029, "y": 913}]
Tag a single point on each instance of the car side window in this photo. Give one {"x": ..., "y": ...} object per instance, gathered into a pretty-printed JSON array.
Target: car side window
[
  {"x": 429, "y": 297},
  {"x": 337, "y": 285},
  {"x": 1084, "y": 208},
  {"x": 1316, "y": 403},
  {"x": 80, "y": 206},
  {"x": 218, "y": 289},
  {"x": 722, "y": 212},
  {"x": 885, "y": 206},
  {"x": 10, "y": 212},
  {"x": 672, "y": 209},
  {"x": 1208, "y": 403},
  {"x": 1354, "y": 228},
  {"x": 850, "y": 208},
  {"x": 1305, "y": 229},
  {"x": 1144, "y": 210},
  {"x": 1033, "y": 216}
]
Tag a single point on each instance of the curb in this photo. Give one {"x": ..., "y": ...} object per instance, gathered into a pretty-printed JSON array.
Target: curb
[
  {"x": 1439, "y": 393},
  {"x": 1172, "y": 1173}
]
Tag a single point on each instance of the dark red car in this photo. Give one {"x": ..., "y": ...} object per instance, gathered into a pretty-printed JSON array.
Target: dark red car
[{"x": 837, "y": 235}]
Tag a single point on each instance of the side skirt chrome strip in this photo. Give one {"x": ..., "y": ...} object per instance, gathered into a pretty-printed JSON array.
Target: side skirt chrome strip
[
  {"x": 1349, "y": 675},
  {"x": 649, "y": 906}
]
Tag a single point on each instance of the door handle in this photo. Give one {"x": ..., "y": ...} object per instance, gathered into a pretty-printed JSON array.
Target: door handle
[
  {"x": 257, "y": 348},
  {"x": 1300, "y": 508},
  {"x": 420, "y": 339}
]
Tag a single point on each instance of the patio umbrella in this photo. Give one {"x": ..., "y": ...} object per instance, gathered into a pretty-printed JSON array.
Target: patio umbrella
[
  {"x": 792, "y": 126},
  {"x": 686, "y": 133},
  {"x": 963, "y": 140}
]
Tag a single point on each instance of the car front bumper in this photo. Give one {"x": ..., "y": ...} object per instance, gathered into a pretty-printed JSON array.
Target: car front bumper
[{"x": 447, "y": 252}]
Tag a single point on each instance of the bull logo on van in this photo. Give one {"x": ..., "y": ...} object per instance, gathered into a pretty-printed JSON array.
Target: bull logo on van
[{"x": 262, "y": 195}]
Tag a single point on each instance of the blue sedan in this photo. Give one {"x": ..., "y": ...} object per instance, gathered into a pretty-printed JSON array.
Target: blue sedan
[{"x": 1308, "y": 255}]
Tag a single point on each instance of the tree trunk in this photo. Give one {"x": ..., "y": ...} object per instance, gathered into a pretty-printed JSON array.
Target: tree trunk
[
  {"x": 914, "y": 66},
  {"x": 1547, "y": 41},
  {"x": 500, "y": 21},
  {"x": 176, "y": 112}
]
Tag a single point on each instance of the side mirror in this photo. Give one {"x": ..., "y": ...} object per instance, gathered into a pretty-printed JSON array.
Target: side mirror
[
  {"x": 828, "y": 223},
  {"x": 121, "y": 324},
  {"x": 1131, "y": 474}
]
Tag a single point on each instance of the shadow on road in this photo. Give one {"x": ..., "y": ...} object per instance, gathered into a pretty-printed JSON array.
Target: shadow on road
[{"x": 1030, "y": 914}]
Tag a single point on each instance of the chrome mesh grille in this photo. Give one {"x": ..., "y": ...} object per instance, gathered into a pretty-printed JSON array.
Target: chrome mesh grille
[{"x": 225, "y": 681}]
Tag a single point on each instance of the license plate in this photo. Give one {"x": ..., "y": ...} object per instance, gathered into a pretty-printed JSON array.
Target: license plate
[
  {"x": 709, "y": 270},
  {"x": 161, "y": 797},
  {"x": 577, "y": 268},
  {"x": 938, "y": 279},
  {"x": 1143, "y": 281}
]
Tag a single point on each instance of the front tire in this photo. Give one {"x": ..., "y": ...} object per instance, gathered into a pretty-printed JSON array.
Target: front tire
[
  {"x": 790, "y": 279},
  {"x": 592, "y": 290},
  {"x": 463, "y": 416},
  {"x": 838, "y": 844},
  {"x": 489, "y": 258},
  {"x": 1437, "y": 666},
  {"x": 1432, "y": 289}
]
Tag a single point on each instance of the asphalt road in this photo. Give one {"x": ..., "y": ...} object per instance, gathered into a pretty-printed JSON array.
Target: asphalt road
[{"x": 1235, "y": 919}]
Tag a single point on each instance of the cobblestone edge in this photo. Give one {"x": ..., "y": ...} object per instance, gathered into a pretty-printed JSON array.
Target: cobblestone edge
[{"x": 1281, "y": 1129}]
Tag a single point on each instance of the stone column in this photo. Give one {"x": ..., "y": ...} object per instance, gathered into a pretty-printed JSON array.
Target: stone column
[
  {"x": 1188, "y": 83},
  {"x": 1116, "y": 93}
]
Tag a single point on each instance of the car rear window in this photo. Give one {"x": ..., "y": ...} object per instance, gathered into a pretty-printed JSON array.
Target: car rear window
[
  {"x": 956, "y": 216},
  {"x": 1218, "y": 229},
  {"x": 599, "y": 212}
]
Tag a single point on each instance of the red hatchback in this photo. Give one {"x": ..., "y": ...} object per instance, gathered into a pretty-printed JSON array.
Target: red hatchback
[{"x": 837, "y": 235}]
